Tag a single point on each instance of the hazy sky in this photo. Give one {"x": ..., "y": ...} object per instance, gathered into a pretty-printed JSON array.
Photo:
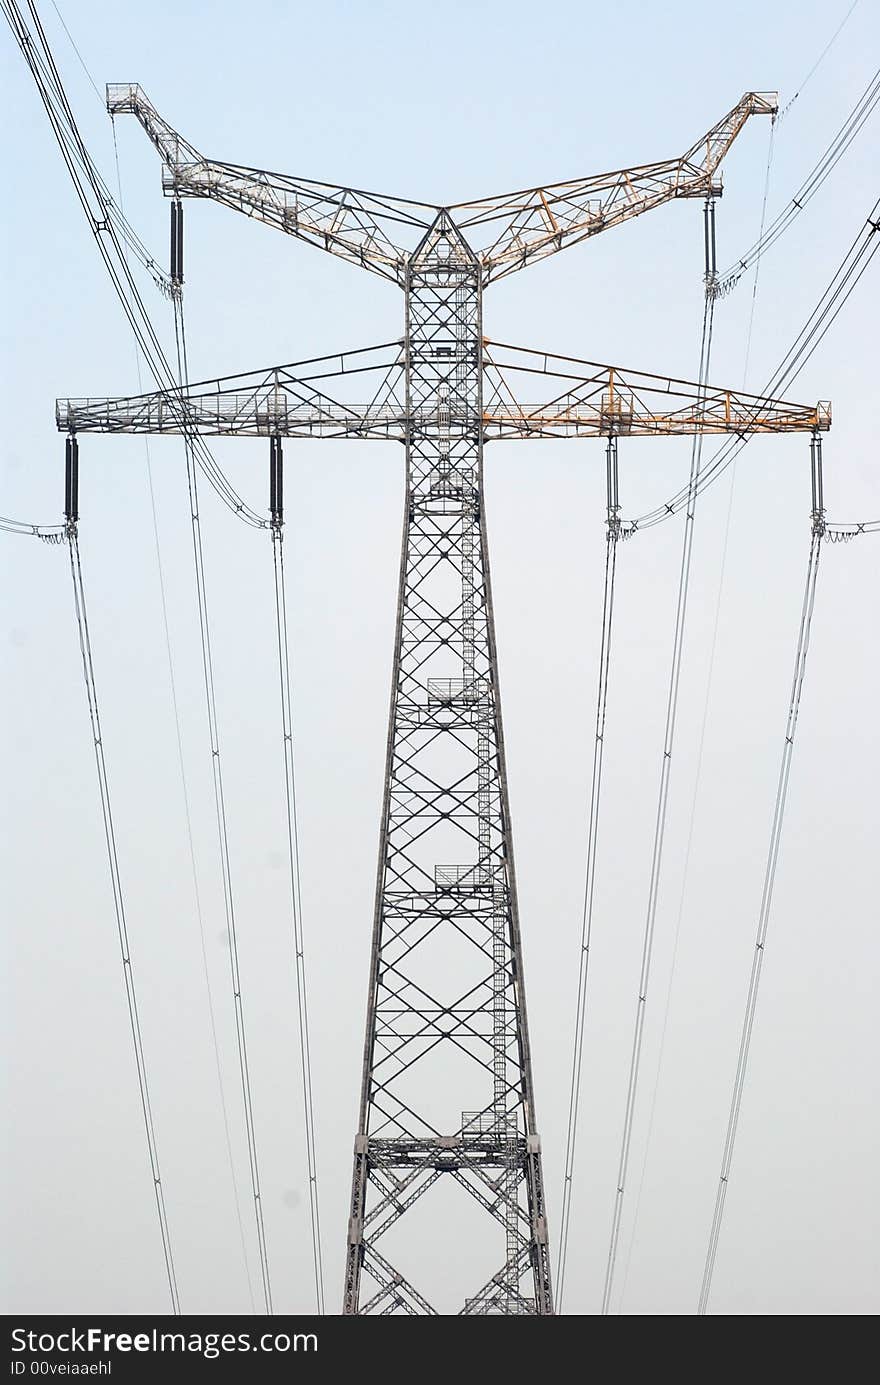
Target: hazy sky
[{"x": 441, "y": 103}]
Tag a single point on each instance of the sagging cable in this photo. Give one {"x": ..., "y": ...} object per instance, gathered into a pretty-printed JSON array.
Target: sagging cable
[
  {"x": 176, "y": 260},
  {"x": 800, "y": 665},
  {"x": 49, "y": 533},
  {"x": 710, "y": 278},
  {"x": 110, "y": 230},
  {"x": 611, "y": 541},
  {"x": 79, "y": 598},
  {"x": 845, "y": 280},
  {"x": 220, "y": 811},
  {"x": 831, "y": 156},
  {"x": 843, "y": 533}
]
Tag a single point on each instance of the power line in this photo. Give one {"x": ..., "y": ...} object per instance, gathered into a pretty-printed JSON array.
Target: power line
[
  {"x": 187, "y": 814},
  {"x": 842, "y": 533},
  {"x": 611, "y": 540},
  {"x": 842, "y": 284},
  {"x": 220, "y": 810},
  {"x": 110, "y": 230},
  {"x": 79, "y": 55},
  {"x": 822, "y": 56},
  {"x": 119, "y": 907},
  {"x": 296, "y": 902},
  {"x": 665, "y": 771},
  {"x": 764, "y": 913},
  {"x": 49, "y": 533},
  {"x": 700, "y": 753},
  {"x": 754, "y": 300},
  {"x": 857, "y": 118},
  {"x": 43, "y": 68}
]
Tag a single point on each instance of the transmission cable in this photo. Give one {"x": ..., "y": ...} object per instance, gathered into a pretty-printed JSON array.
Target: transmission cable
[
  {"x": 108, "y": 228},
  {"x": 220, "y": 808},
  {"x": 858, "y": 116},
  {"x": 611, "y": 541},
  {"x": 764, "y": 913},
  {"x": 296, "y": 905},
  {"x": 837, "y": 293},
  {"x": 665, "y": 773},
  {"x": 197, "y": 898},
  {"x": 90, "y": 189},
  {"x": 119, "y": 908},
  {"x": 822, "y": 56},
  {"x": 49, "y": 533},
  {"x": 700, "y": 756},
  {"x": 842, "y": 533},
  {"x": 45, "y": 72},
  {"x": 754, "y": 299},
  {"x": 79, "y": 55}
]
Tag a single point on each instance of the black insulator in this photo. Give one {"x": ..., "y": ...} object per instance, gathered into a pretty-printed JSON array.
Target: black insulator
[
  {"x": 71, "y": 480},
  {"x": 611, "y": 475},
  {"x": 276, "y": 480},
  {"x": 176, "y": 241},
  {"x": 816, "y": 471}
]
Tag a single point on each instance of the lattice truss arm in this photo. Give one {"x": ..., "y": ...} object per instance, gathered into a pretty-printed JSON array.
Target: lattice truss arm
[
  {"x": 589, "y": 400},
  {"x": 286, "y": 401},
  {"x": 592, "y": 400},
  {"x": 525, "y": 226},
  {"x": 360, "y": 227}
]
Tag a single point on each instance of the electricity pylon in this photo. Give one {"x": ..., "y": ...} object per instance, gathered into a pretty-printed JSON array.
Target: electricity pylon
[{"x": 447, "y": 1086}]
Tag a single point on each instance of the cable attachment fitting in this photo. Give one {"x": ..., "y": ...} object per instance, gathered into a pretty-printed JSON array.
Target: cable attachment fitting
[
  {"x": 613, "y": 501},
  {"x": 276, "y": 483},
  {"x": 710, "y": 274},
  {"x": 818, "y": 511},
  {"x": 71, "y": 483}
]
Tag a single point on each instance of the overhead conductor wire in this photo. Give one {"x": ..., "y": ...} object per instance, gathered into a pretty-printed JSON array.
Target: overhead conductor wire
[
  {"x": 700, "y": 754},
  {"x": 119, "y": 907},
  {"x": 184, "y": 785},
  {"x": 53, "y": 534},
  {"x": 110, "y": 230},
  {"x": 842, "y": 533},
  {"x": 666, "y": 767},
  {"x": 863, "y": 109},
  {"x": 611, "y": 541},
  {"x": 220, "y": 805},
  {"x": 295, "y": 891},
  {"x": 838, "y": 291},
  {"x": 49, "y": 533},
  {"x": 822, "y": 56},
  {"x": 800, "y": 665}
]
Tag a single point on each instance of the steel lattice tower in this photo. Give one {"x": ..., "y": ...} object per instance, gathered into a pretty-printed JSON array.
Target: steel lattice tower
[
  {"x": 446, "y": 857},
  {"x": 446, "y": 975}
]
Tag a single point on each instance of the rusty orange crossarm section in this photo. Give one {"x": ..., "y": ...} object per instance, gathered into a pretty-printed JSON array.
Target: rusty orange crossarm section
[{"x": 593, "y": 421}]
